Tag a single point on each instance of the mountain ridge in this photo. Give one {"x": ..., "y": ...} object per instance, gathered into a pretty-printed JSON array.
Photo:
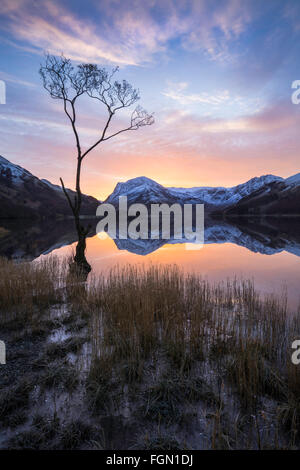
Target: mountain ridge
[
  {"x": 145, "y": 190},
  {"x": 24, "y": 195}
]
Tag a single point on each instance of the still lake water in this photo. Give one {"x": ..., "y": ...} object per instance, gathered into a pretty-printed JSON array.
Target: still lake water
[
  {"x": 262, "y": 249},
  {"x": 272, "y": 273}
]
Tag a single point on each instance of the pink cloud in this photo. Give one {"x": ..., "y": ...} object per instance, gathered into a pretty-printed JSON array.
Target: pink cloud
[{"x": 123, "y": 34}]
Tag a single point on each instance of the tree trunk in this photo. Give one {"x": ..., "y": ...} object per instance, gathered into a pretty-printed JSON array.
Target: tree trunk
[
  {"x": 79, "y": 257},
  {"x": 81, "y": 265}
]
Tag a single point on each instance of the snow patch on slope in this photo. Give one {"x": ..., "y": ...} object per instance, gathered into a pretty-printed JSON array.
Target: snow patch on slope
[
  {"x": 18, "y": 173},
  {"x": 143, "y": 188},
  {"x": 293, "y": 180}
]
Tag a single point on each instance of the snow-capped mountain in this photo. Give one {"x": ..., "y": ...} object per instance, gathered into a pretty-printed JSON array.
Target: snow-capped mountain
[
  {"x": 281, "y": 197},
  {"x": 141, "y": 189},
  {"x": 24, "y": 195},
  {"x": 147, "y": 191},
  {"x": 293, "y": 180},
  {"x": 16, "y": 173},
  {"x": 221, "y": 196}
]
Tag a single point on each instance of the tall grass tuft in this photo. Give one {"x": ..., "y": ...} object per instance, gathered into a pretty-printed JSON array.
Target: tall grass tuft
[{"x": 165, "y": 342}]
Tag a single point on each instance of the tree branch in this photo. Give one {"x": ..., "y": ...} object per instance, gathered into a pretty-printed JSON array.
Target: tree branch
[
  {"x": 67, "y": 196},
  {"x": 66, "y": 82}
]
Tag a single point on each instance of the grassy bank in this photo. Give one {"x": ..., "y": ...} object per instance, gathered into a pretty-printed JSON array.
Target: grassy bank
[{"x": 145, "y": 358}]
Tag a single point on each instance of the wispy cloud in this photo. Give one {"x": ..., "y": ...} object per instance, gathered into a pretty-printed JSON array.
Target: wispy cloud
[
  {"x": 13, "y": 79},
  {"x": 227, "y": 59},
  {"x": 55, "y": 29},
  {"x": 125, "y": 33},
  {"x": 210, "y": 101},
  {"x": 220, "y": 24},
  {"x": 177, "y": 92}
]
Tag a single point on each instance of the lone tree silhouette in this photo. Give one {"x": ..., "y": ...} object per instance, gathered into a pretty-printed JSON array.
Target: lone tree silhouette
[{"x": 67, "y": 82}]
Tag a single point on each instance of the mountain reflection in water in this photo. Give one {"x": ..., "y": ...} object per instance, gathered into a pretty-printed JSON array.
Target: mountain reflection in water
[{"x": 264, "y": 249}]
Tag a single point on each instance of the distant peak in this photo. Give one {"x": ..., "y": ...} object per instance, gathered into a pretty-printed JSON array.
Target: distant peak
[
  {"x": 295, "y": 179},
  {"x": 140, "y": 180},
  {"x": 268, "y": 177},
  {"x": 4, "y": 160}
]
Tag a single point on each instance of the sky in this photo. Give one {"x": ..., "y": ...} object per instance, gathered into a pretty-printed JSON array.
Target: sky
[{"x": 216, "y": 74}]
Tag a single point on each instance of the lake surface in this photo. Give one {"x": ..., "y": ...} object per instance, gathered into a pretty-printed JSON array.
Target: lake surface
[
  {"x": 215, "y": 262},
  {"x": 267, "y": 251}
]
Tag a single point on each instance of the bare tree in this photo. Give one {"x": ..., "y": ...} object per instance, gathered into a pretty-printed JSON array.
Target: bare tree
[{"x": 67, "y": 82}]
